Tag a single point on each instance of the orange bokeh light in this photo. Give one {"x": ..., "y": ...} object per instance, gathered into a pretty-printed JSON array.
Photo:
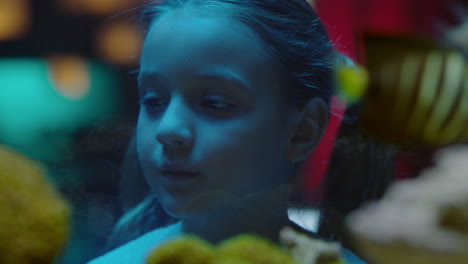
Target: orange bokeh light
[
  {"x": 119, "y": 43},
  {"x": 70, "y": 76},
  {"x": 14, "y": 18},
  {"x": 97, "y": 7}
]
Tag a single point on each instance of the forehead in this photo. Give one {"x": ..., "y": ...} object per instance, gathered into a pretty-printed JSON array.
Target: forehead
[
  {"x": 208, "y": 34},
  {"x": 181, "y": 42}
]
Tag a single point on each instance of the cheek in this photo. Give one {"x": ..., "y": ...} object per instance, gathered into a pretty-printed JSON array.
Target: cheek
[
  {"x": 242, "y": 152},
  {"x": 144, "y": 139},
  {"x": 140, "y": 134},
  {"x": 145, "y": 148}
]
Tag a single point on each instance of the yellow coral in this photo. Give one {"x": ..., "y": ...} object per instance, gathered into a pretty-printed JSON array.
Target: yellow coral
[
  {"x": 243, "y": 249},
  {"x": 253, "y": 249},
  {"x": 228, "y": 260},
  {"x": 248, "y": 249},
  {"x": 185, "y": 250},
  {"x": 34, "y": 221}
]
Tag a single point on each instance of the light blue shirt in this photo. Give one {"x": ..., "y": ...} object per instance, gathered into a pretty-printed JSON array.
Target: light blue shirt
[
  {"x": 136, "y": 251},
  {"x": 350, "y": 258}
]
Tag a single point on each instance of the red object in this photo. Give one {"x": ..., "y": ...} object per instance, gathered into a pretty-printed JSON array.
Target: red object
[
  {"x": 346, "y": 21},
  {"x": 317, "y": 163}
]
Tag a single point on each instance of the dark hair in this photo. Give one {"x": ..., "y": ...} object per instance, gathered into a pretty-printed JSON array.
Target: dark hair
[
  {"x": 291, "y": 30},
  {"x": 295, "y": 39}
]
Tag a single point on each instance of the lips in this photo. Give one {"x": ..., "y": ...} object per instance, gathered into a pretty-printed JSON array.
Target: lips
[
  {"x": 178, "y": 173},
  {"x": 178, "y": 178},
  {"x": 174, "y": 171}
]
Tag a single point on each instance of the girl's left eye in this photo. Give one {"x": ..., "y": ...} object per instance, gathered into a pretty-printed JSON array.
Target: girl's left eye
[{"x": 217, "y": 105}]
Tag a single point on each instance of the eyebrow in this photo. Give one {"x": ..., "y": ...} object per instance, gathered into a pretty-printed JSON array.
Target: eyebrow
[
  {"x": 209, "y": 76},
  {"x": 224, "y": 76}
]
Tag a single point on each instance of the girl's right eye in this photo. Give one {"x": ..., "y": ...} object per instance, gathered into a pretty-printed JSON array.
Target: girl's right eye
[{"x": 151, "y": 101}]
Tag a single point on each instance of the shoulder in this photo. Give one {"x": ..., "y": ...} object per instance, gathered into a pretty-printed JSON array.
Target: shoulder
[
  {"x": 141, "y": 219},
  {"x": 137, "y": 250}
]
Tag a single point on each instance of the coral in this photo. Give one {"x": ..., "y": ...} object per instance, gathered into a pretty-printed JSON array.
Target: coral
[
  {"x": 417, "y": 94},
  {"x": 309, "y": 250},
  {"x": 185, "y": 250},
  {"x": 422, "y": 220},
  {"x": 34, "y": 222},
  {"x": 247, "y": 249},
  {"x": 251, "y": 249}
]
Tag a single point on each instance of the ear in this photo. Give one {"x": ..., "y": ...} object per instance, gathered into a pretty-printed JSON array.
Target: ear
[{"x": 308, "y": 129}]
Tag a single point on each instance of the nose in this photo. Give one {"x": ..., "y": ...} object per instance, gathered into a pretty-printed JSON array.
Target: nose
[{"x": 174, "y": 131}]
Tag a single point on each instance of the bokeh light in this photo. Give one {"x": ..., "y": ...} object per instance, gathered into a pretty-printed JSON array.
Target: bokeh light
[
  {"x": 14, "y": 18},
  {"x": 36, "y": 118},
  {"x": 70, "y": 76},
  {"x": 119, "y": 43},
  {"x": 97, "y": 7}
]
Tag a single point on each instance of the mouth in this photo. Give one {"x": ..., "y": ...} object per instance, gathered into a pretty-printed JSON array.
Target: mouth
[{"x": 177, "y": 175}]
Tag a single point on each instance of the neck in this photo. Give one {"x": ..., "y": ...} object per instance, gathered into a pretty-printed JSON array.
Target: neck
[{"x": 263, "y": 214}]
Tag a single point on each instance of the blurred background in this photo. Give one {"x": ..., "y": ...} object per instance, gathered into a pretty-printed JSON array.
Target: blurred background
[{"x": 68, "y": 99}]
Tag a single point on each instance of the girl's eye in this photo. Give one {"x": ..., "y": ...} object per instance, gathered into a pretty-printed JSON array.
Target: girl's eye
[
  {"x": 216, "y": 105},
  {"x": 151, "y": 101}
]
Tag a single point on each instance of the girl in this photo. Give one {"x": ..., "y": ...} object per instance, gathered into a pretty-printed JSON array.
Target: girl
[{"x": 234, "y": 96}]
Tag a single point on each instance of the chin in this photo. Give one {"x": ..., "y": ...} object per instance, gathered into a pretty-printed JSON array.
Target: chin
[
  {"x": 200, "y": 205},
  {"x": 192, "y": 210},
  {"x": 185, "y": 213}
]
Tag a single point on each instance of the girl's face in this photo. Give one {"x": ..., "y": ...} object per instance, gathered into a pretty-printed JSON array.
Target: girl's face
[{"x": 211, "y": 106}]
